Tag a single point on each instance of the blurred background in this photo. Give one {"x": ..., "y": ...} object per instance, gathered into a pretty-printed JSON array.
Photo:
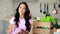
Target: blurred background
[{"x": 7, "y": 10}]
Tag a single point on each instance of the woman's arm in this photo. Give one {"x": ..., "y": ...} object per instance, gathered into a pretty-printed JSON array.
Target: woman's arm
[
  {"x": 11, "y": 25},
  {"x": 9, "y": 29}
]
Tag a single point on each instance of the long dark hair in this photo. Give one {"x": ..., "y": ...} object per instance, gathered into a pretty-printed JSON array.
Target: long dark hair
[{"x": 26, "y": 16}]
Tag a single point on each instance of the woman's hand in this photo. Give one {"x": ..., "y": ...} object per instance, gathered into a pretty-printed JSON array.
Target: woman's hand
[
  {"x": 9, "y": 28},
  {"x": 20, "y": 32},
  {"x": 23, "y": 32}
]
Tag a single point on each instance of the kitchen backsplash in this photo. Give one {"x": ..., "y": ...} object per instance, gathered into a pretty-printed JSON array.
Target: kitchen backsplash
[{"x": 7, "y": 8}]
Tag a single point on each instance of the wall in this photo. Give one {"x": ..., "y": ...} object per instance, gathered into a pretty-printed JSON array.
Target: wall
[
  {"x": 35, "y": 7},
  {"x": 7, "y": 7}
]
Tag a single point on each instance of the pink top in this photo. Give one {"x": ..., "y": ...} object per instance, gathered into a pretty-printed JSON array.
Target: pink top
[{"x": 21, "y": 25}]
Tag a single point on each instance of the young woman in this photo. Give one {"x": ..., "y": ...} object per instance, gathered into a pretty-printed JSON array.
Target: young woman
[{"x": 21, "y": 22}]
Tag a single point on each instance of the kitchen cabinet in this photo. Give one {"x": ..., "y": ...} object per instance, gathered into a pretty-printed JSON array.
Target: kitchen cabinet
[{"x": 1, "y": 27}]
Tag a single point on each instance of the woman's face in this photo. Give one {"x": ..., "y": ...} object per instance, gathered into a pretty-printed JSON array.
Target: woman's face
[{"x": 22, "y": 9}]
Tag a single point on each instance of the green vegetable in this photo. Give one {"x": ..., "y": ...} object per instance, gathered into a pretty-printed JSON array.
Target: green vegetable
[{"x": 47, "y": 19}]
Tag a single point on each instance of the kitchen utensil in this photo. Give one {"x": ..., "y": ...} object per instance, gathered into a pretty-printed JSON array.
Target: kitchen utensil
[
  {"x": 44, "y": 9},
  {"x": 41, "y": 8},
  {"x": 47, "y": 12},
  {"x": 59, "y": 5},
  {"x": 55, "y": 11}
]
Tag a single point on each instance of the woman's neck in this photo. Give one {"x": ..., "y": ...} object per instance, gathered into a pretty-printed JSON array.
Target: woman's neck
[{"x": 21, "y": 16}]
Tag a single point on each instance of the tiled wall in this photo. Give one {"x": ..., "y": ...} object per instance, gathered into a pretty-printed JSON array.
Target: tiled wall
[{"x": 7, "y": 7}]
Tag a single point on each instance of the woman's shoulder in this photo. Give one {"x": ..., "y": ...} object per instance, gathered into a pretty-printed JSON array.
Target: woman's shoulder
[
  {"x": 12, "y": 18},
  {"x": 11, "y": 21}
]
